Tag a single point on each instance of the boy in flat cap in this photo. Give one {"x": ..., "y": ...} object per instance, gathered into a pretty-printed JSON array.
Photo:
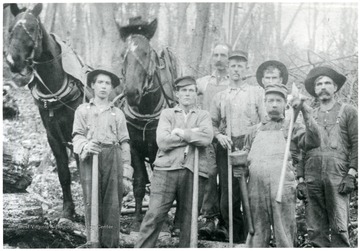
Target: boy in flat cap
[
  {"x": 240, "y": 107},
  {"x": 100, "y": 128},
  {"x": 180, "y": 130},
  {"x": 329, "y": 174},
  {"x": 266, "y": 145}
]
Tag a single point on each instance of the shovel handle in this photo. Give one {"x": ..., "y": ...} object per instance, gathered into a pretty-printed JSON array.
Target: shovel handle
[
  {"x": 94, "y": 225},
  {"x": 195, "y": 201}
]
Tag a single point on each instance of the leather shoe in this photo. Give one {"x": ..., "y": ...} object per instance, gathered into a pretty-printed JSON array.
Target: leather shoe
[
  {"x": 207, "y": 230},
  {"x": 221, "y": 233}
]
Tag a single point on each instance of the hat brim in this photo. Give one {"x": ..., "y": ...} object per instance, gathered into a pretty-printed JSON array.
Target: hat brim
[
  {"x": 115, "y": 81},
  {"x": 278, "y": 64},
  {"x": 316, "y": 72},
  {"x": 147, "y": 30}
]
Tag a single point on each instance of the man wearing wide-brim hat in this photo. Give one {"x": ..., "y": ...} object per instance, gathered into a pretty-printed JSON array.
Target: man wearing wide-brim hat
[
  {"x": 180, "y": 130},
  {"x": 266, "y": 144},
  {"x": 272, "y": 72},
  {"x": 328, "y": 177},
  {"x": 100, "y": 129}
]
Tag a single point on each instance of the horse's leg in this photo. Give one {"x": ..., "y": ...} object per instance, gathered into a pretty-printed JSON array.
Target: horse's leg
[
  {"x": 61, "y": 157},
  {"x": 139, "y": 184}
]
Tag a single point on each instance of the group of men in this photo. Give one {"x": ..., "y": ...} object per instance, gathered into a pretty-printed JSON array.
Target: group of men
[{"x": 219, "y": 114}]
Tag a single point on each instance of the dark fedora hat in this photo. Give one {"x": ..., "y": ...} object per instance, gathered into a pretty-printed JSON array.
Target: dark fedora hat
[
  {"x": 184, "y": 81},
  {"x": 275, "y": 63},
  {"x": 316, "y": 72},
  {"x": 138, "y": 26},
  {"x": 115, "y": 81}
]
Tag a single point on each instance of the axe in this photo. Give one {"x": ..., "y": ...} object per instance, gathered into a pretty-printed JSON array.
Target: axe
[{"x": 94, "y": 224}]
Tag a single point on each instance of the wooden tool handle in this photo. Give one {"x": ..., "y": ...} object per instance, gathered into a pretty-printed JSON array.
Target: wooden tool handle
[
  {"x": 195, "y": 201},
  {"x": 94, "y": 225}
]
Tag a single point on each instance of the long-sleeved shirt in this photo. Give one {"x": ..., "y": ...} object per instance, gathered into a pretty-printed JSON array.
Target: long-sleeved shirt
[
  {"x": 246, "y": 109},
  {"x": 107, "y": 126},
  {"x": 177, "y": 153},
  {"x": 302, "y": 137},
  {"x": 208, "y": 86},
  {"x": 348, "y": 123}
]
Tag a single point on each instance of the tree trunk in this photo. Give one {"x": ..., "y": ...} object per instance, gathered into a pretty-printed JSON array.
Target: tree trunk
[
  {"x": 201, "y": 27},
  {"x": 16, "y": 176},
  {"x": 21, "y": 212}
]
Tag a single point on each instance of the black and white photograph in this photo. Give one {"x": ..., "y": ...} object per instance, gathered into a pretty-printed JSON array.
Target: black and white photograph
[{"x": 180, "y": 124}]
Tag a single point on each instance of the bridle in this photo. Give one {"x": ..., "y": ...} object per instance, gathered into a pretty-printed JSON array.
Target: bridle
[
  {"x": 149, "y": 85},
  {"x": 35, "y": 38}
]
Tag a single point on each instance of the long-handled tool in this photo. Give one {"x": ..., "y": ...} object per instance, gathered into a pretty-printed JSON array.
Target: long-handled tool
[
  {"x": 94, "y": 225},
  {"x": 246, "y": 204},
  {"x": 230, "y": 190},
  {"x": 195, "y": 201}
]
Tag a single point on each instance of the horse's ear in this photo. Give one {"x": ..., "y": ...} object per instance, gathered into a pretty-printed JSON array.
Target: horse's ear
[
  {"x": 14, "y": 9},
  {"x": 152, "y": 28},
  {"x": 37, "y": 9}
]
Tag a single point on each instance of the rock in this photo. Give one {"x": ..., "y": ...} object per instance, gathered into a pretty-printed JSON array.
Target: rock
[{"x": 16, "y": 176}]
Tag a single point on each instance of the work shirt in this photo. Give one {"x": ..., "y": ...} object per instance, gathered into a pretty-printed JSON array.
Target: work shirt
[
  {"x": 208, "y": 86},
  {"x": 302, "y": 137},
  {"x": 177, "y": 153},
  {"x": 107, "y": 126},
  {"x": 246, "y": 109}
]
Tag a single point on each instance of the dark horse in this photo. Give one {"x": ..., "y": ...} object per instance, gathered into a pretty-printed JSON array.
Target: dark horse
[
  {"x": 33, "y": 52},
  {"x": 148, "y": 90}
]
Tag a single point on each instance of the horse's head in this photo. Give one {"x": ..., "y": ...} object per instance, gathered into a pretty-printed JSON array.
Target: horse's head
[
  {"x": 138, "y": 67},
  {"x": 25, "y": 37}
]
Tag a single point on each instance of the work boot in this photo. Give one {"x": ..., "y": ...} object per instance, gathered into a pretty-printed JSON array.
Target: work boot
[
  {"x": 221, "y": 233},
  {"x": 207, "y": 230}
]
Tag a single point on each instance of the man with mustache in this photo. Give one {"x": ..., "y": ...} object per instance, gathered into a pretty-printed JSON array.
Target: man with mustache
[
  {"x": 240, "y": 106},
  {"x": 266, "y": 144},
  {"x": 208, "y": 86},
  {"x": 328, "y": 177}
]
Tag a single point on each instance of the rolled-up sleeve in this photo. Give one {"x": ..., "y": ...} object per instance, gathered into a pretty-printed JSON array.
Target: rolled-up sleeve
[
  {"x": 122, "y": 131},
  {"x": 215, "y": 113},
  {"x": 79, "y": 130}
]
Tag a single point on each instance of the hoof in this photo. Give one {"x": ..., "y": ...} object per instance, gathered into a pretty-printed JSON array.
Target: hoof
[{"x": 68, "y": 211}]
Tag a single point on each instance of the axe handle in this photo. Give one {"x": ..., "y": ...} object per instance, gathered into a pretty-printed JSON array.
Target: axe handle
[
  {"x": 285, "y": 161},
  {"x": 195, "y": 202},
  {"x": 230, "y": 175},
  {"x": 246, "y": 204},
  {"x": 94, "y": 225}
]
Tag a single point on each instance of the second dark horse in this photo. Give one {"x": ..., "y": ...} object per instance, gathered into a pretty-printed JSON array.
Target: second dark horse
[{"x": 148, "y": 90}]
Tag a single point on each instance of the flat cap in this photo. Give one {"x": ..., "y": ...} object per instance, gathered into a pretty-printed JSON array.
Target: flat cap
[
  {"x": 275, "y": 63},
  {"x": 316, "y": 72},
  {"x": 238, "y": 54},
  {"x": 277, "y": 88},
  {"x": 185, "y": 81}
]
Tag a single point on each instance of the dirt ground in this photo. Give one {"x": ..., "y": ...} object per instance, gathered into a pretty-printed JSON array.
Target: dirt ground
[{"x": 28, "y": 129}]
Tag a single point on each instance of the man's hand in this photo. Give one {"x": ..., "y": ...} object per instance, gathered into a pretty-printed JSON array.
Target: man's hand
[
  {"x": 92, "y": 147},
  {"x": 127, "y": 185},
  {"x": 301, "y": 191},
  {"x": 347, "y": 185},
  {"x": 224, "y": 141},
  {"x": 178, "y": 132}
]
